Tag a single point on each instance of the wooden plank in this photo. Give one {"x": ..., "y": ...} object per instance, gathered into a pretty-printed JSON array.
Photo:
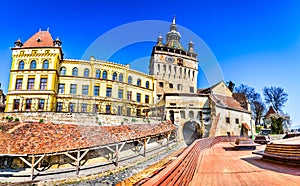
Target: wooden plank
[
  {"x": 117, "y": 155},
  {"x": 32, "y": 168},
  {"x": 78, "y": 162}
]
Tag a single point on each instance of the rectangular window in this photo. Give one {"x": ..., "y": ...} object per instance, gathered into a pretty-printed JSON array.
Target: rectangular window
[
  {"x": 95, "y": 108},
  {"x": 43, "y": 84},
  {"x": 138, "y": 112},
  {"x": 161, "y": 84},
  {"x": 120, "y": 94},
  {"x": 71, "y": 107},
  {"x": 107, "y": 109},
  {"x": 96, "y": 90},
  {"x": 170, "y": 85},
  {"x": 41, "y": 104},
  {"x": 182, "y": 114},
  {"x": 83, "y": 107},
  {"x": 128, "y": 111},
  {"x": 59, "y": 106},
  {"x": 237, "y": 120},
  {"x": 227, "y": 120},
  {"x": 179, "y": 87},
  {"x": 28, "y": 104},
  {"x": 61, "y": 88},
  {"x": 16, "y": 104},
  {"x": 120, "y": 110},
  {"x": 138, "y": 97},
  {"x": 73, "y": 89},
  {"x": 191, "y": 114},
  {"x": 191, "y": 89},
  {"x": 146, "y": 98},
  {"x": 129, "y": 95},
  {"x": 85, "y": 90},
  {"x": 19, "y": 84},
  {"x": 30, "y": 85},
  {"x": 108, "y": 91}
]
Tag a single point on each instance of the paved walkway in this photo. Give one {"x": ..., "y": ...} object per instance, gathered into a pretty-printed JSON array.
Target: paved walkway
[{"x": 221, "y": 165}]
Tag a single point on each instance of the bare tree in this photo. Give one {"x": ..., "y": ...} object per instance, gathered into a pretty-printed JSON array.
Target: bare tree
[
  {"x": 276, "y": 97},
  {"x": 258, "y": 109},
  {"x": 257, "y": 106},
  {"x": 249, "y": 92}
]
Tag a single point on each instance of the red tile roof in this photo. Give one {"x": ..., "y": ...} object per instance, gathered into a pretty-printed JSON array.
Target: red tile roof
[
  {"x": 40, "y": 138},
  {"x": 270, "y": 111},
  {"x": 241, "y": 98},
  {"x": 228, "y": 102},
  {"x": 40, "y": 39}
]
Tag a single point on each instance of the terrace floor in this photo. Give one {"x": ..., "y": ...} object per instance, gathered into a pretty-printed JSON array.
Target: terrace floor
[{"x": 221, "y": 165}]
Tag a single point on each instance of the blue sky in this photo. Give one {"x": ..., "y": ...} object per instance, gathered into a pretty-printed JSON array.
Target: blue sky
[{"x": 255, "y": 42}]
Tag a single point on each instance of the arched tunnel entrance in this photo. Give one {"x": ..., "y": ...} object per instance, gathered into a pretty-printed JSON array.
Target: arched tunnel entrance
[{"x": 191, "y": 131}]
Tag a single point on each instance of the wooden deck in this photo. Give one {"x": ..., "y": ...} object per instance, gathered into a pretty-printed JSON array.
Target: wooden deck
[{"x": 221, "y": 165}]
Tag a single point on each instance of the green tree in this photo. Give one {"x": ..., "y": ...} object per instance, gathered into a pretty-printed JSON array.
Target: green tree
[{"x": 277, "y": 124}]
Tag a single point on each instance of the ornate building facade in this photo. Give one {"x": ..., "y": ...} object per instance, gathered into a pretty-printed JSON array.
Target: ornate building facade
[
  {"x": 41, "y": 80},
  {"x": 176, "y": 69}
]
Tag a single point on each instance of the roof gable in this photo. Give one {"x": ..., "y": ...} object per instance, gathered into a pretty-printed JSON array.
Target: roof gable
[
  {"x": 221, "y": 89},
  {"x": 40, "y": 39}
]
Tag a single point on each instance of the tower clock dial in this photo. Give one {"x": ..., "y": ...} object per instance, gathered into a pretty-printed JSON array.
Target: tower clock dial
[{"x": 169, "y": 59}]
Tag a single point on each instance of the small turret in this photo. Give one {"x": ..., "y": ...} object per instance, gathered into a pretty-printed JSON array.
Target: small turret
[
  {"x": 57, "y": 42},
  {"x": 191, "y": 47},
  {"x": 18, "y": 43},
  {"x": 159, "y": 40}
]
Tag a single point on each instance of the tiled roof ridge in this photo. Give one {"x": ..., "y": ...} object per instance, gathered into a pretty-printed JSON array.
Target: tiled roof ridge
[
  {"x": 40, "y": 138},
  {"x": 219, "y": 99}
]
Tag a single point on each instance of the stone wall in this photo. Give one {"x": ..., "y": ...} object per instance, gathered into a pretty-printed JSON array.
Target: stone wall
[{"x": 76, "y": 118}]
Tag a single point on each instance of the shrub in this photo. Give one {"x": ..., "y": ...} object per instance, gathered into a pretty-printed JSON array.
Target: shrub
[
  {"x": 99, "y": 123},
  {"x": 41, "y": 120},
  {"x": 17, "y": 119},
  {"x": 133, "y": 120}
]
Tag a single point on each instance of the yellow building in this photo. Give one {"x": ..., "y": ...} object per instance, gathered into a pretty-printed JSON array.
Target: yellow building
[{"x": 41, "y": 80}]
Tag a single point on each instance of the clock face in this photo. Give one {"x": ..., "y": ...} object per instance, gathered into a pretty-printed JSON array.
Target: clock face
[{"x": 169, "y": 59}]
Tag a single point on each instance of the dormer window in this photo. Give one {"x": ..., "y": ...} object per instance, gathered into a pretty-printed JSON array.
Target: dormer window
[{"x": 38, "y": 39}]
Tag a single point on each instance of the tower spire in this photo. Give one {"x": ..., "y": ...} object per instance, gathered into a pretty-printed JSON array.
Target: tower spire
[{"x": 174, "y": 20}]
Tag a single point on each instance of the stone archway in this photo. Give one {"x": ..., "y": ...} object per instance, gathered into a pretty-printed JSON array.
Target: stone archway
[{"x": 191, "y": 131}]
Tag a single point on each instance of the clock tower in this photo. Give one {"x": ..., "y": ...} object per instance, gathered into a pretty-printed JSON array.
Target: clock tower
[{"x": 175, "y": 68}]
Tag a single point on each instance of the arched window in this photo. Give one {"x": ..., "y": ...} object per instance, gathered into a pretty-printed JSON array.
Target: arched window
[
  {"x": 138, "y": 82},
  {"x": 33, "y": 64},
  {"x": 147, "y": 84},
  {"x": 104, "y": 75},
  {"x": 75, "y": 71},
  {"x": 121, "y": 78},
  {"x": 62, "y": 71},
  {"x": 114, "y": 78},
  {"x": 21, "y": 65},
  {"x": 86, "y": 72},
  {"x": 97, "y": 73},
  {"x": 129, "y": 80},
  {"x": 46, "y": 64}
]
